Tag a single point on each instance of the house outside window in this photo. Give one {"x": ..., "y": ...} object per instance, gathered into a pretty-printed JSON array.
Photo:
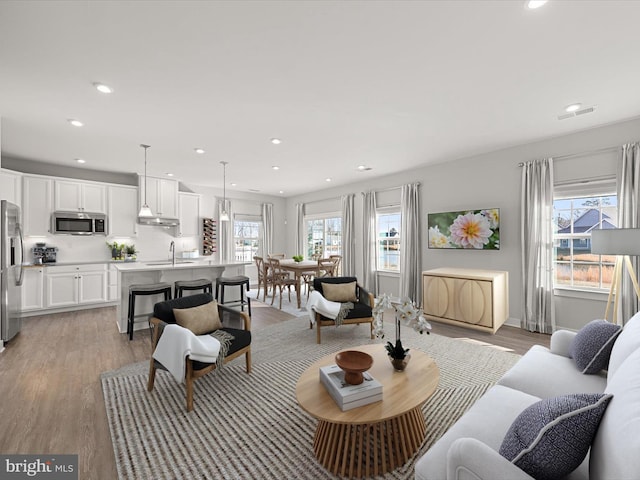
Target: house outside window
[
  {"x": 575, "y": 217},
  {"x": 388, "y": 239},
  {"x": 324, "y": 236},
  {"x": 246, "y": 236}
]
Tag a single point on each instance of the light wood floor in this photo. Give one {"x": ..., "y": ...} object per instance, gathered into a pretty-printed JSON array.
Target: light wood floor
[{"x": 52, "y": 399}]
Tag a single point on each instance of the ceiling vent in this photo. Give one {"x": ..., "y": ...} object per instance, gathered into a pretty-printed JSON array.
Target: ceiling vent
[{"x": 582, "y": 111}]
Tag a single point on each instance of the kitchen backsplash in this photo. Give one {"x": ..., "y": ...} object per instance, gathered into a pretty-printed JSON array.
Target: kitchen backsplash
[{"x": 152, "y": 243}]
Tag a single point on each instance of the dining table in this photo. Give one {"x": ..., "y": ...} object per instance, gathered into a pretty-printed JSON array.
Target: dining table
[{"x": 304, "y": 267}]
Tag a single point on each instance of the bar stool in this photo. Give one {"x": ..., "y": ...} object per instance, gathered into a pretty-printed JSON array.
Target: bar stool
[
  {"x": 238, "y": 281},
  {"x": 203, "y": 284},
  {"x": 144, "y": 289}
]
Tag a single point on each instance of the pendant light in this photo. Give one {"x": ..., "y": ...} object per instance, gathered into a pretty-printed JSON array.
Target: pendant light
[
  {"x": 145, "y": 211},
  {"x": 224, "y": 216}
]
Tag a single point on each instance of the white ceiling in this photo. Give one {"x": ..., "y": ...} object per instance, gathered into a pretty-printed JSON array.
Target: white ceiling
[{"x": 388, "y": 84}]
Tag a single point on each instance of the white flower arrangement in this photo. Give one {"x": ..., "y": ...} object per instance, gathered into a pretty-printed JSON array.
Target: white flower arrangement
[{"x": 407, "y": 312}]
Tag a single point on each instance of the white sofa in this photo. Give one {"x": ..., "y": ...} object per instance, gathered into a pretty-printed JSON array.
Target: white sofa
[{"x": 469, "y": 449}]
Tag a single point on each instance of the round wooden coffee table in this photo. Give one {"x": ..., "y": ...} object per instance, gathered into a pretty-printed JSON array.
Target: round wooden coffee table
[{"x": 374, "y": 438}]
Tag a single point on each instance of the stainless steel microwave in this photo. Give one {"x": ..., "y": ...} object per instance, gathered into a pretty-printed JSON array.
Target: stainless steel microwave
[{"x": 78, "y": 223}]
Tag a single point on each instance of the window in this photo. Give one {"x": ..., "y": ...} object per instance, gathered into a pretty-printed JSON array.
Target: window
[
  {"x": 324, "y": 236},
  {"x": 388, "y": 241},
  {"x": 575, "y": 217},
  {"x": 246, "y": 236}
]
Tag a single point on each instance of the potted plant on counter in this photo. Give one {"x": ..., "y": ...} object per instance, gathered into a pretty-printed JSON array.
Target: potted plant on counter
[
  {"x": 116, "y": 250},
  {"x": 130, "y": 253}
]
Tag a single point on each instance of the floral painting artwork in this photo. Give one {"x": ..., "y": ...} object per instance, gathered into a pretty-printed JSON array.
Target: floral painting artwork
[{"x": 470, "y": 229}]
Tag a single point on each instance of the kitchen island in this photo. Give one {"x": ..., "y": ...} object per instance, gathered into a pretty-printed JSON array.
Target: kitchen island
[{"x": 130, "y": 273}]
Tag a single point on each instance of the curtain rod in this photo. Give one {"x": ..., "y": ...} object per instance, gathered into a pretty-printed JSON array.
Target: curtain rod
[
  {"x": 389, "y": 189},
  {"x": 581, "y": 154},
  {"x": 321, "y": 200}
]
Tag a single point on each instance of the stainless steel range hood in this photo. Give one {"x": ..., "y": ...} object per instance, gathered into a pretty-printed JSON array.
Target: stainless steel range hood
[{"x": 159, "y": 221}]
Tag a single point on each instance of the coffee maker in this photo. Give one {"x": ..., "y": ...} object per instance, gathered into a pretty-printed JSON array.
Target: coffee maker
[{"x": 44, "y": 254}]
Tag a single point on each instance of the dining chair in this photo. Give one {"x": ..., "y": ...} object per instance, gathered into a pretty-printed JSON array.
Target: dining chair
[
  {"x": 281, "y": 279},
  {"x": 336, "y": 259},
  {"x": 276, "y": 255},
  {"x": 325, "y": 267}
]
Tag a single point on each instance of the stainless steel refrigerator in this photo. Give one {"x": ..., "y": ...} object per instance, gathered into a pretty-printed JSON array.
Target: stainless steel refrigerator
[{"x": 11, "y": 260}]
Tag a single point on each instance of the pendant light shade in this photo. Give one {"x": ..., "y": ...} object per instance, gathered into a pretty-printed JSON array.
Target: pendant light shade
[
  {"x": 224, "y": 216},
  {"x": 145, "y": 211}
]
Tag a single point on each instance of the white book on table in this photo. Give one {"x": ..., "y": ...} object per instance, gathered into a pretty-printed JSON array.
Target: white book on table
[{"x": 332, "y": 377}]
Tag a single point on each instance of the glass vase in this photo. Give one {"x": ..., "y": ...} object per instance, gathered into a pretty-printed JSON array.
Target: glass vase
[{"x": 399, "y": 364}]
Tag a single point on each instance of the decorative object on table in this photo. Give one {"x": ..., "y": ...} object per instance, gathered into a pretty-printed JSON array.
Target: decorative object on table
[
  {"x": 469, "y": 229},
  {"x": 405, "y": 310},
  {"x": 297, "y": 258},
  {"x": 346, "y": 395},
  {"x": 354, "y": 363}
]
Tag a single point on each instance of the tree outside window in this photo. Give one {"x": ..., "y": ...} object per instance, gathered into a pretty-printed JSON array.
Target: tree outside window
[
  {"x": 324, "y": 237},
  {"x": 388, "y": 241},
  {"x": 246, "y": 239},
  {"x": 574, "y": 220}
]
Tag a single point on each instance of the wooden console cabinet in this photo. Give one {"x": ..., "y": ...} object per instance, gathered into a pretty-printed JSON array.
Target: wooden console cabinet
[{"x": 471, "y": 298}]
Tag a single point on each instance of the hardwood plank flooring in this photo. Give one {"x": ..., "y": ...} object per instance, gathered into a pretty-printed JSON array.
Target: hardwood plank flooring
[{"x": 52, "y": 400}]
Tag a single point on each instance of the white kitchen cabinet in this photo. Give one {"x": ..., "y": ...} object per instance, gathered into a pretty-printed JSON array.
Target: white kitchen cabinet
[
  {"x": 37, "y": 193},
  {"x": 189, "y": 208},
  {"x": 123, "y": 211},
  {"x": 113, "y": 292},
  {"x": 162, "y": 196},
  {"x": 75, "y": 285},
  {"x": 74, "y": 196},
  {"x": 32, "y": 289},
  {"x": 477, "y": 299},
  {"x": 11, "y": 186}
]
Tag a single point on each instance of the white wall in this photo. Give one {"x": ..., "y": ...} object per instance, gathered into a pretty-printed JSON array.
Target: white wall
[{"x": 491, "y": 180}]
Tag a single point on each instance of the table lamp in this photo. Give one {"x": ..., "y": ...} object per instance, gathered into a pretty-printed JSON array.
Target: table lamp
[{"x": 621, "y": 242}]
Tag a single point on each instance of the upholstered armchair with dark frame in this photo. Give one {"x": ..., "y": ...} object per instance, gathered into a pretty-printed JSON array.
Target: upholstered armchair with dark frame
[
  {"x": 163, "y": 315},
  {"x": 360, "y": 313}
]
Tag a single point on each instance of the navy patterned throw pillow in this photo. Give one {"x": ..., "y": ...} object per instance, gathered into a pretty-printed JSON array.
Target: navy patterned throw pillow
[
  {"x": 591, "y": 347},
  {"x": 551, "y": 438}
]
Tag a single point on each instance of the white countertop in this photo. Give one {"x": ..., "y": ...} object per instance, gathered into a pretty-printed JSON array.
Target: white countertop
[{"x": 167, "y": 265}]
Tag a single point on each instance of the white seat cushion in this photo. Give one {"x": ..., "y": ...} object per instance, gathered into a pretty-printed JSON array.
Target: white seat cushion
[
  {"x": 487, "y": 420},
  {"x": 544, "y": 374}
]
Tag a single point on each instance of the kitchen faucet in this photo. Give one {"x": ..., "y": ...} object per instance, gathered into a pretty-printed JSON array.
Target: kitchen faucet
[{"x": 172, "y": 249}]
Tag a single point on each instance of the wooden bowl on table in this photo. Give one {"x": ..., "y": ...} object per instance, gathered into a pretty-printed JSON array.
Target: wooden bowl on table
[{"x": 354, "y": 363}]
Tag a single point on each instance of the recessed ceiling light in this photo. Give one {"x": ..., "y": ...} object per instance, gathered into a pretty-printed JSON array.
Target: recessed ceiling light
[
  {"x": 199, "y": 150},
  {"x": 75, "y": 123},
  {"x": 281, "y": 191},
  {"x": 169, "y": 174},
  {"x": 364, "y": 168},
  {"x": 234, "y": 184},
  {"x": 79, "y": 160},
  {"x": 327, "y": 179},
  {"x": 101, "y": 87},
  {"x": 276, "y": 167},
  {"x": 573, "y": 107},
  {"x": 533, "y": 4},
  {"x": 276, "y": 141}
]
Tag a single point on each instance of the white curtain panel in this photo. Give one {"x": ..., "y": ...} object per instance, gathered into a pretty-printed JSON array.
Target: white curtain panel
[
  {"x": 348, "y": 236},
  {"x": 267, "y": 228},
  {"x": 299, "y": 239},
  {"x": 227, "y": 251},
  {"x": 410, "y": 246},
  {"x": 369, "y": 250},
  {"x": 629, "y": 217},
  {"x": 537, "y": 246}
]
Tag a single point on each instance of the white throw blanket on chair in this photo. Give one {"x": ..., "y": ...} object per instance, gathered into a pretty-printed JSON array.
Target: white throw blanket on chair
[
  {"x": 326, "y": 308},
  {"x": 177, "y": 342}
]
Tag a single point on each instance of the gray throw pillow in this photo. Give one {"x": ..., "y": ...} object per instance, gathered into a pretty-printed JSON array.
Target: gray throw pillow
[
  {"x": 551, "y": 438},
  {"x": 591, "y": 347}
]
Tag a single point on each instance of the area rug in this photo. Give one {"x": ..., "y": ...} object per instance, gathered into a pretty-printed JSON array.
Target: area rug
[
  {"x": 290, "y": 307},
  {"x": 250, "y": 426}
]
